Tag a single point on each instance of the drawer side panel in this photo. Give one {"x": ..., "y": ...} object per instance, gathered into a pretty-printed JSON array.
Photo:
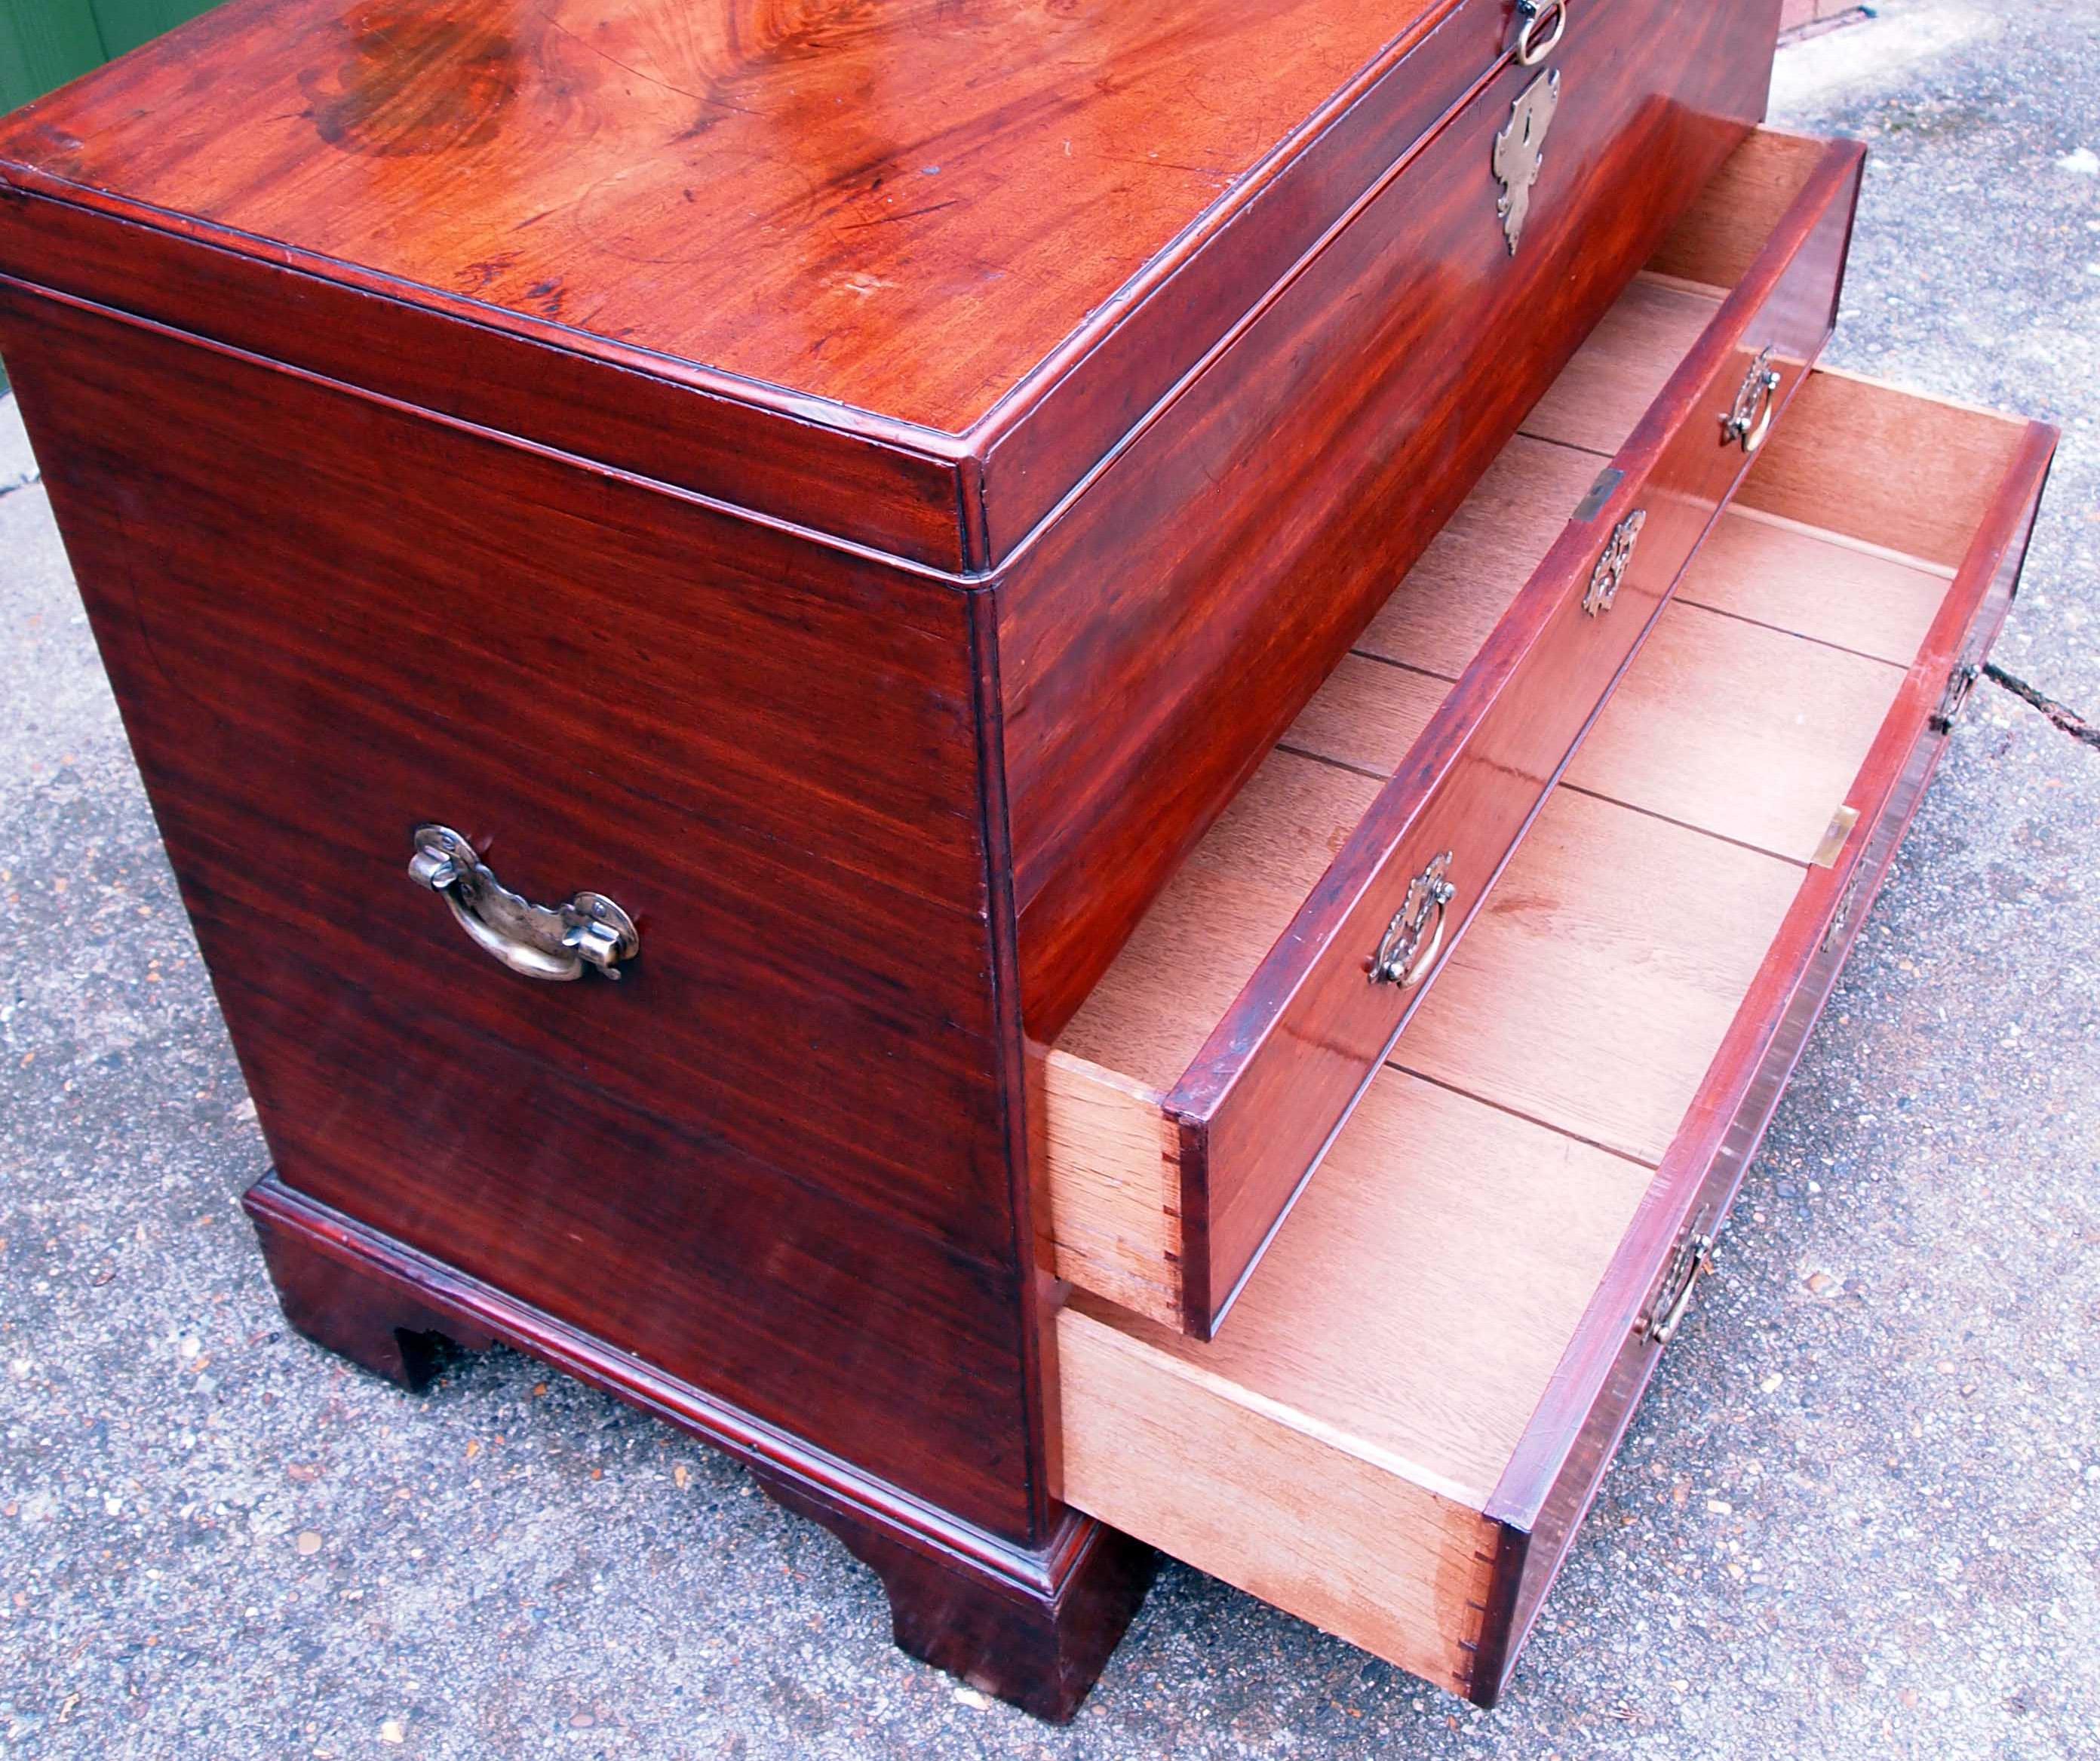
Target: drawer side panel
[{"x": 1271, "y": 1508}]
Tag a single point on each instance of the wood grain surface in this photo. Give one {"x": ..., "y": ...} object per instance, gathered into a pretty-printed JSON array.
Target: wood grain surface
[
  {"x": 1914, "y": 476},
  {"x": 1033, "y": 1623},
  {"x": 1158, "y": 637},
  {"x": 1282, "y": 1069},
  {"x": 901, "y": 208},
  {"x": 1588, "y": 994},
  {"x": 1626, "y": 362},
  {"x": 1594, "y": 1072},
  {"x": 772, "y": 759},
  {"x": 1548, "y": 1486},
  {"x": 1473, "y": 1235},
  {"x": 1787, "y": 577},
  {"x": 1266, "y": 1500},
  {"x": 1691, "y": 735},
  {"x": 1467, "y": 742},
  {"x": 1445, "y": 607},
  {"x": 827, "y": 243},
  {"x": 1200, "y": 944}
]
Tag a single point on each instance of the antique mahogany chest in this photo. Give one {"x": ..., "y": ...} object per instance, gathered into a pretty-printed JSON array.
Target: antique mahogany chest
[{"x": 1082, "y": 769}]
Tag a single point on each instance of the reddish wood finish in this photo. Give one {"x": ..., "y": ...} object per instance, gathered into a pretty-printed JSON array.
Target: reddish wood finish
[
  {"x": 1189, "y": 304},
  {"x": 1550, "y": 1482},
  {"x": 568, "y": 422},
  {"x": 845, "y": 238},
  {"x": 371, "y": 192},
  {"x": 1157, "y": 639},
  {"x": 771, "y": 759},
  {"x": 391, "y": 1328},
  {"x": 1034, "y": 1624},
  {"x": 867, "y": 489},
  {"x": 1286, "y": 1062},
  {"x": 1038, "y": 1640},
  {"x": 901, "y": 209},
  {"x": 1284, "y": 1068}
]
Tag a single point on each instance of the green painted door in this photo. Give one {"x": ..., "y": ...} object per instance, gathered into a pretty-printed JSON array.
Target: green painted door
[{"x": 44, "y": 43}]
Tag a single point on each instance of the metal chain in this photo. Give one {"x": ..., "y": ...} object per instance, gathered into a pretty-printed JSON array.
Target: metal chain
[{"x": 2069, "y": 720}]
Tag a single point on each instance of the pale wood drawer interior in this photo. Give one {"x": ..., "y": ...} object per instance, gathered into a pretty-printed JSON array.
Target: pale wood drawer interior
[
  {"x": 1338, "y": 1448},
  {"x": 1152, "y": 1012},
  {"x": 1114, "y": 1164}
]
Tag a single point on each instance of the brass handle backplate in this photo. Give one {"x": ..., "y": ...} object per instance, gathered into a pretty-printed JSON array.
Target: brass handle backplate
[
  {"x": 1610, "y": 573},
  {"x": 1749, "y": 419},
  {"x": 554, "y": 942},
  {"x": 1407, "y": 949},
  {"x": 1532, "y": 45}
]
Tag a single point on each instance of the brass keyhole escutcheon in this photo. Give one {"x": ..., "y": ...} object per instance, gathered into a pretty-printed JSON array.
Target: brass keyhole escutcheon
[{"x": 1519, "y": 152}]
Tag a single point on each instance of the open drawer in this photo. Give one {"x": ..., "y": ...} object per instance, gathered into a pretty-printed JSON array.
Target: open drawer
[
  {"x": 1186, "y": 1103},
  {"x": 1399, "y": 1432}
]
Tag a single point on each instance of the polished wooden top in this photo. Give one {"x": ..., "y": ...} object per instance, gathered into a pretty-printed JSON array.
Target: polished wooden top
[{"x": 900, "y": 206}]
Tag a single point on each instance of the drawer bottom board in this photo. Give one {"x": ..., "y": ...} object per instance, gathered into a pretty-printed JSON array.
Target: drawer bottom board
[{"x": 1399, "y": 1428}]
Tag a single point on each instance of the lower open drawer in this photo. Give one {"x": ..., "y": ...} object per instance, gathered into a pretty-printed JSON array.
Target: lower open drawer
[{"x": 1398, "y": 1434}]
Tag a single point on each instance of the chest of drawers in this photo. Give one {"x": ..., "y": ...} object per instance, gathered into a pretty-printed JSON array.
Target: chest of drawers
[{"x": 875, "y": 720}]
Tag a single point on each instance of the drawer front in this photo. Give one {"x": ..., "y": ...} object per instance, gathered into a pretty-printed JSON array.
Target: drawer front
[
  {"x": 1282, "y": 1072},
  {"x": 770, "y": 1158},
  {"x": 1552, "y": 1482},
  {"x": 1161, "y": 632}
]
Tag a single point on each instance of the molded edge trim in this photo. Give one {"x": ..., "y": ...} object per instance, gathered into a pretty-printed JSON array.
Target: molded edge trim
[
  {"x": 1040, "y": 1575},
  {"x": 921, "y": 451}
]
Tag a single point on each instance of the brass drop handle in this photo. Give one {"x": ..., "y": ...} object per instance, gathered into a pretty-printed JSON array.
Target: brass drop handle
[
  {"x": 1955, "y": 698},
  {"x": 1848, "y": 902},
  {"x": 1532, "y": 46},
  {"x": 1750, "y": 418},
  {"x": 1407, "y": 949},
  {"x": 1694, "y": 1260},
  {"x": 555, "y": 942}
]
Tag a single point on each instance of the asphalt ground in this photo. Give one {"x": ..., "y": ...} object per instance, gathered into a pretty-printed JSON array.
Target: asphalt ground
[{"x": 1857, "y": 1516}]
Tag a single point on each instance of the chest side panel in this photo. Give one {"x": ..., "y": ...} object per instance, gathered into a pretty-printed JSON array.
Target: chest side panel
[{"x": 772, "y": 1159}]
